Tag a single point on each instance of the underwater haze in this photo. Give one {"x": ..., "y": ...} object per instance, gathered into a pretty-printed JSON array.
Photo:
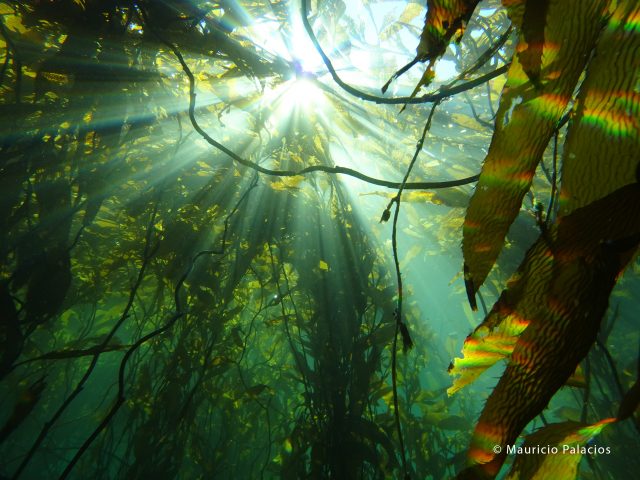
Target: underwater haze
[{"x": 308, "y": 239}]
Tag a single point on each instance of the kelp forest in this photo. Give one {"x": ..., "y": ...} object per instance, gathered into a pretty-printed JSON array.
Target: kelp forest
[{"x": 309, "y": 239}]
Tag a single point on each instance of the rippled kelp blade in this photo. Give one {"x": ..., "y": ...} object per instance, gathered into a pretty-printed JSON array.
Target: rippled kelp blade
[
  {"x": 525, "y": 121},
  {"x": 584, "y": 253},
  {"x": 600, "y": 153}
]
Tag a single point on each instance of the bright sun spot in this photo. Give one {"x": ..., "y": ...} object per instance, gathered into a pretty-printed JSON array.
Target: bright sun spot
[
  {"x": 303, "y": 93},
  {"x": 300, "y": 94},
  {"x": 303, "y": 51}
]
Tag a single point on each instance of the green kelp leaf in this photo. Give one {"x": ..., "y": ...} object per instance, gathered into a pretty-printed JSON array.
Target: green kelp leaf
[
  {"x": 584, "y": 253},
  {"x": 525, "y": 121},
  {"x": 565, "y": 445},
  {"x": 600, "y": 152}
]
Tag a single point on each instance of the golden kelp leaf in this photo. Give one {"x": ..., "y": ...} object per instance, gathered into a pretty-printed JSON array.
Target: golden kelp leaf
[
  {"x": 426, "y": 79},
  {"x": 411, "y": 11},
  {"x": 600, "y": 153},
  {"x": 410, "y": 196},
  {"x": 104, "y": 223},
  {"x": 416, "y": 196},
  {"x": 564, "y": 445},
  {"x": 585, "y": 252},
  {"x": 444, "y": 19},
  {"x": 483, "y": 349},
  {"x": 55, "y": 77},
  {"x": 451, "y": 197},
  {"x": 526, "y": 119},
  {"x": 411, "y": 254},
  {"x": 324, "y": 266},
  {"x": 496, "y": 337},
  {"x": 454, "y": 197},
  {"x": 515, "y": 10},
  {"x": 287, "y": 183}
]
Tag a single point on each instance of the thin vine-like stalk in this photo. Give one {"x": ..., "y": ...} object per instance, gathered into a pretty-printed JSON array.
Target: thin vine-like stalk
[
  {"x": 147, "y": 254},
  {"x": 180, "y": 312},
  {"x": 400, "y": 326}
]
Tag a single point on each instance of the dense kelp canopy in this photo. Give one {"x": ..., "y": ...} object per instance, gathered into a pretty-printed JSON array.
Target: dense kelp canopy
[{"x": 230, "y": 239}]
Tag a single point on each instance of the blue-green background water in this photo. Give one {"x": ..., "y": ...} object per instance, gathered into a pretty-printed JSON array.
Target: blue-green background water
[{"x": 172, "y": 312}]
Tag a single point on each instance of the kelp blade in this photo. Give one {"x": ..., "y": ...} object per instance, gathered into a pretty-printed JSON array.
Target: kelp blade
[
  {"x": 568, "y": 439},
  {"x": 586, "y": 251},
  {"x": 525, "y": 121},
  {"x": 495, "y": 338},
  {"x": 444, "y": 19},
  {"x": 600, "y": 152}
]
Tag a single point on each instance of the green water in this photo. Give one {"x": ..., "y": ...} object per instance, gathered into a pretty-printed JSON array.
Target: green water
[{"x": 195, "y": 281}]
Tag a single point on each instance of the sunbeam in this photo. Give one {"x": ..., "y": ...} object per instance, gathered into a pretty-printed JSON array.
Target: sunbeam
[{"x": 228, "y": 250}]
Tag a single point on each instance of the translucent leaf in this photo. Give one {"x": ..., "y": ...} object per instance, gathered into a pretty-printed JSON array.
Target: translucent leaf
[{"x": 564, "y": 445}]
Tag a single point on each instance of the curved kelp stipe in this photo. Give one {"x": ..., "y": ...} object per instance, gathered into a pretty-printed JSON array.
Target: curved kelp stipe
[
  {"x": 559, "y": 294},
  {"x": 527, "y": 117}
]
